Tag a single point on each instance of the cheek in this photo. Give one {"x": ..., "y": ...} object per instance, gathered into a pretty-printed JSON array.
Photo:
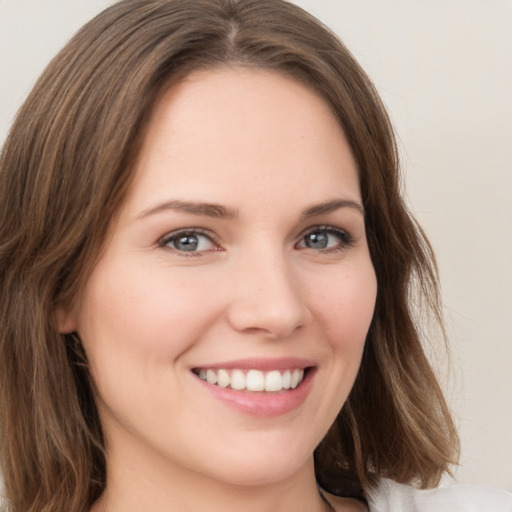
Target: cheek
[
  {"x": 135, "y": 325},
  {"x": 138, "y": 309},
  {"x": 135, "y": 328},
  {"x": 346, "y": 309},
  {"x": 343, "y": 313}
]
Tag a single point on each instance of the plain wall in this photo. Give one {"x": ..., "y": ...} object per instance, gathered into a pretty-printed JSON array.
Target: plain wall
[{"x": 443, "y": 68}]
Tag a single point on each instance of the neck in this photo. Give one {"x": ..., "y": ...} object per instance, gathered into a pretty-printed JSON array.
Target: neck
[{"x": 153, "y": 485}]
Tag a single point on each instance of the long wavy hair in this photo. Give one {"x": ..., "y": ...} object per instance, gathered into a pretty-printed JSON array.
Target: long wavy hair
[{"x": 64, "y": 171}]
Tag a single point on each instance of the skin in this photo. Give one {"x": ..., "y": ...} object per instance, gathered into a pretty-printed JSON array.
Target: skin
[{"x": 268, "y": 148}]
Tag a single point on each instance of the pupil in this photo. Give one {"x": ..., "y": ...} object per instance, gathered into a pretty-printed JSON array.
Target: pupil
[
  {"x": 187, "y": 243},
  {"x": 317, "y": 240}
]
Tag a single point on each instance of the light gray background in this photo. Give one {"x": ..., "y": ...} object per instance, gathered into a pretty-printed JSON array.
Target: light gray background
[{"x": 443, "y": 68}]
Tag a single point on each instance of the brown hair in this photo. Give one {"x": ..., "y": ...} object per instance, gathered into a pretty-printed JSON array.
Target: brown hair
[{"x": 64, "y": 170}]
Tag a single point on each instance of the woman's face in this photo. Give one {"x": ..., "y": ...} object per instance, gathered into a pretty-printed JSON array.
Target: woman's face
[{"x": 225, "y": 321}]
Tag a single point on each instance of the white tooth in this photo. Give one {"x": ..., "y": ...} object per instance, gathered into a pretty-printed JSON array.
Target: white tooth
[
  {"x": 301, "y": 375},
  {"x": 237, "y": 379},
  {"x": 223, "y": 378},
  {"x": 295, "y": 379},
  {"x": 202, "y": 374},
  {"x": 255, "y": 381},
  {"x": 211, "y": 377},
  {"x": 273, "y": 381},
  {"x": 287, "y": 378}
]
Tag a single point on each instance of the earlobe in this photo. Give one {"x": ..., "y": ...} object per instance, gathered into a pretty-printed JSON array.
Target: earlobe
[{"x": 66, "y": 321}]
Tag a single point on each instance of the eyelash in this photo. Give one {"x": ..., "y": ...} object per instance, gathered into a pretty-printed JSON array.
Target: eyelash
[
  {"x": 343, "y": 236},
  {"x": 167, "y": 239},
  {"x": 345, "y": 239}
]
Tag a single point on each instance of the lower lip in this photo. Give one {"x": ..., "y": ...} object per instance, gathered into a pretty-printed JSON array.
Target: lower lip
[{"x": 264, "y": 404}]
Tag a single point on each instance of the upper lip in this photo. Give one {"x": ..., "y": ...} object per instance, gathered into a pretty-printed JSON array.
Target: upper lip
[{"x": 263, "y": 364}]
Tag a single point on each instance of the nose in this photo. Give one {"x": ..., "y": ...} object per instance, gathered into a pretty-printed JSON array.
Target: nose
[{"x": 267, "y": 299}]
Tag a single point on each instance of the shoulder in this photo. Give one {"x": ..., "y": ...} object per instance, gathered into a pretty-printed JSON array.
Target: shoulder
[{"x": 390, "y": 496}]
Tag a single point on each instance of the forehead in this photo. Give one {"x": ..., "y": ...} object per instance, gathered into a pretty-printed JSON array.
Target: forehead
[{"x": 239, "y": 129}]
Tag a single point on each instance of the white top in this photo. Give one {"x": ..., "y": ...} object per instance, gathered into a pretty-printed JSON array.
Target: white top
[{"x": 392, "y": 497}]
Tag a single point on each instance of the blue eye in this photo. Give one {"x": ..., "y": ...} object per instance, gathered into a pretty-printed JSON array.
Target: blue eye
[
  {"x": 325, "y": 239},
  {"x": 188, "y": 241}
]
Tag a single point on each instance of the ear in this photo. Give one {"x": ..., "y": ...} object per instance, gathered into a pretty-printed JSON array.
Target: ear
[{"x": 66, "y": 320}]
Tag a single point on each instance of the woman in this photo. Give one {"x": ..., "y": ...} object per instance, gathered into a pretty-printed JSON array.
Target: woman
[{"x": 208, "y": 276}]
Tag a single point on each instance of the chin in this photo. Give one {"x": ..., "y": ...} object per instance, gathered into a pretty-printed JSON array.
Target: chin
[
  {"x": 251, "y": 474},
  {"x": 264, "y": 462}
]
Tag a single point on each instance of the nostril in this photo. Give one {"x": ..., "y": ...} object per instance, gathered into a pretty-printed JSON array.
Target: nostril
[{"x": 273, "y": 320}]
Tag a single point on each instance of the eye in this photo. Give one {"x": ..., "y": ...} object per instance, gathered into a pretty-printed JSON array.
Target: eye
[
  {"x": 189, "y": 241},
  {"x": 325, "y": 238}
]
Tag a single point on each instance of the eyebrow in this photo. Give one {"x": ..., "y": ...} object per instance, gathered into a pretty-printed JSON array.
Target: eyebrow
[
  {"x": 222, "y": 212},
  {"x": 193, "y": 208},
  {"x": 331, "y": 206}
]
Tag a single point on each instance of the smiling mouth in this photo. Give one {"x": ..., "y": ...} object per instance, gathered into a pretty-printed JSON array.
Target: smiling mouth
[{"x": 253, "y": 380}]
